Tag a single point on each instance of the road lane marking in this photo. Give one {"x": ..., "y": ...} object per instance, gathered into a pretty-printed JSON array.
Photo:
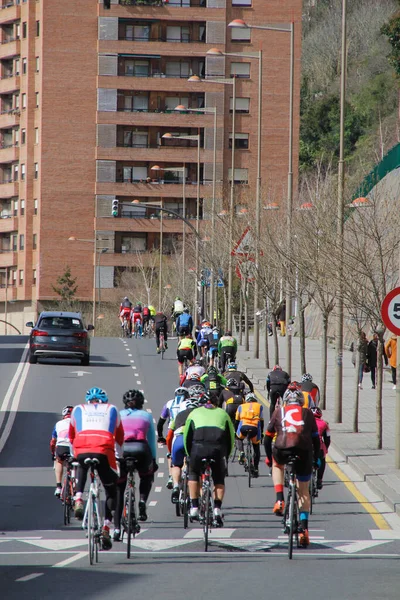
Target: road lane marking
[
  {"x": 218, "y": 534},
  {"x": 361, "y": 545},
  {"x": 14, "y": 380},
  {"x": 161, "y": 460},
  {"x": 153, "y": 503},
  {"x": 149, "y": 410},
  {"x": 158, "y": 489},
  {"x": 29, "y": 577},
  {"x": 139, "y": 382},
  {"x": 378, "y": 519},
  {"x": 59, "y": 544},
  {"x": 14, "y": 407},
  {"x": 68, "y": 561},
  {"x": 129, "y": 354},
  {"x": 378, "y": 534},
  {"x": 131, "y": 361},
  {"x": 160, "y": 474}
]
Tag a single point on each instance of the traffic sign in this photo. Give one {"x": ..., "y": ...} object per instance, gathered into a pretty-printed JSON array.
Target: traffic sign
[
  {"x": 246, "y": 269},
  {"x": 390, "y": 311},
  {"x": 245, "y": 245}
]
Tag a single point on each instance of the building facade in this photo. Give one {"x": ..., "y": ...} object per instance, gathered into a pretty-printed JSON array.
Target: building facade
[{"x": 87, "y": 93}]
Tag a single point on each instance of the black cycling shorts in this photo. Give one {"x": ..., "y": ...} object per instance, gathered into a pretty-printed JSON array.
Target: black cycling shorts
[
  {"x": 304, "y": 463},
  {"x": 142, "y": 453},
  {"x": 62, "y": 453},
  {"x": 184, "y": 330},
  {"x": 218, "y": 467},
  {"x": 182, "y": 354}
]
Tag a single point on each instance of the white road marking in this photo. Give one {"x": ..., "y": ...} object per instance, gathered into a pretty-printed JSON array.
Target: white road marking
[
  {"x": 157, "y": 545},
  {"x": 161, "y": 460},
  {"x": 131, "y": 361},
  {"x": 13, "y": 382},
  {"x": 129, "y": 354},
  {"x": 360, "y": 545},
  {"x": 14, "y": 407},
  {"x": 381, "y": 534},
  {"x": 29, "y": 577},
  {"x": 71, "y": 559},
  {"x": 159, "y": 445},
  {"x": 153, "y": 503},
  {"x": 158, "y": 489},
  {"x": 160, "y": 474},
  {"x": 217, "y": 534},
  {"x": 59, "y": 544},
  {"x": 149, "y": 410},
  {"x": 139, "y": 382},
  {"x": 145, "y": 399},
  {"x": 80, "y": 373}
]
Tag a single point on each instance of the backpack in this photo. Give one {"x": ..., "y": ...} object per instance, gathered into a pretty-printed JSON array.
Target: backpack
[
  {"x": 292, "y": 425},
  {"x": 184, "y": 320},
  {"x": 213, "y": 382}
]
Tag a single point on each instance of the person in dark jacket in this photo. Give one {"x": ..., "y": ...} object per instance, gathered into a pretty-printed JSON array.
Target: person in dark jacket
[
  {"x": 277, "y": 382},
  {"x": 281, "y": 316},
  {"x": 161, "y": 322},
  {"x": 372, "y": 357},
  {"x": 361, "y": 346}
]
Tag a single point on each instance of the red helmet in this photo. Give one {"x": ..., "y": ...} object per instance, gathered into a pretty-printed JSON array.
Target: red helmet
[
  {"x": 317, "y": 412},
  {"x": 277, "y": 368},
  {"x": 293, "y": 386}
]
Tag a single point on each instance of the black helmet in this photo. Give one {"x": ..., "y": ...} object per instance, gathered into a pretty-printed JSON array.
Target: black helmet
[
  {"x": 133, "y": 396},
  {"x": 212, "y": 371}
]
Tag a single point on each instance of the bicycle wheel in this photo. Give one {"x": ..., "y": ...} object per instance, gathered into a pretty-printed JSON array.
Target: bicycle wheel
[
  {"x": 206, "y": 525},
  {"x": 96, "y": 527},
  {"x": 64, "y": 498},
  {"x": 90, "y": 529},
  {"x": 178, "y": 505},
  {"x": 130, "y": 530},
  {"x": 312, "y": 492},
  {"x": 249, "y": 460},
  {"x": 185, "y": 503},
  {"x": 292, "y": 521}
]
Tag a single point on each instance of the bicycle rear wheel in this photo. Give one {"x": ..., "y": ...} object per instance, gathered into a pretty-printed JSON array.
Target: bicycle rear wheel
[
  {"x": 206, "y": 526},
  {"x": 130, "y": 530},
  {"x": 64, "y": 498},
  {"x": 249, "y": 460},
  {"x": 292, "y": 521},
  {"x": 90, "y": 529},
  {"x": 185, "y": 503},
  {"x": 312, "y": 492}
]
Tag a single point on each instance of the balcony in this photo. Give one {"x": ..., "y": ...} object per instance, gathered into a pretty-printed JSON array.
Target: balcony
[
  {"x": 9, "y": 83},
  {"x": 8, "y": 224},
  {"x": 9, "y": 47},
  {"x": 128, "y": 259},
  {"x": 8, "y": 258},
  {"x": 8, "y": 153},
  {"x": 167, "y": 3},
  {"x": 9, "y": 12},
  {"x": 8, "y": 189},
  {"x": 149, "y": 224},
  {"x": 151, "y": 154},
  {"x": 155, "y": 117},
  {"x": 9, "y": 118},
  {"x": 153, "y": 189},
  {"x": 11, "y": 289}
]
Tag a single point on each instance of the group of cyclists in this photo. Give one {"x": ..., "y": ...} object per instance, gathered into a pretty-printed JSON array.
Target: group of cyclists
[
  {"x": 213, "y": 410},
  {"x": 136, "y": 316}
]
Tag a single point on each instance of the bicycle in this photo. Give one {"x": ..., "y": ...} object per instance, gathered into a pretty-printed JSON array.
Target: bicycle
[
  {"x": 68, "y": 488},
  {"x": 138, "y": 329},
  {"x": 313, "y": 488},
  {"x": 92, "y": 518},
  {"x": 126, "y": 329},
  {"x": 291, "y": 515},
  {"x": 206, "y": 508},
  {"x": 182, "y": 507},
  {"x": 129, "y": 520},
  {"x": 162, "y": 343},
  {"x": 249, "y": 456}
]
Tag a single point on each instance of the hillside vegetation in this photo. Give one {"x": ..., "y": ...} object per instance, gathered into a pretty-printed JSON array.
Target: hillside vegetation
[{"x": 372, "y": 85}]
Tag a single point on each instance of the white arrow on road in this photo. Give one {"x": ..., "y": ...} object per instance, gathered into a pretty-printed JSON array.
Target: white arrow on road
[{"x": 80, "y": 373}]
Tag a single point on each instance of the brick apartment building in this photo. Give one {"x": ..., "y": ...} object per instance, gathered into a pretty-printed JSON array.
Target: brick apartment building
[{"x": 86, "y": 94}]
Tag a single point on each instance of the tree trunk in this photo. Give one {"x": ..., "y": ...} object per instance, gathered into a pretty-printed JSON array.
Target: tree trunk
[
  {"x": 302, "y": 332},
  {"x": 240, "y": 318},
  {"x": 276, "y": 345},
  {"x": 379, "y": 387},
  {"x": 225, "y": 309},
  {"x": 356, "y": 393},
  {"x": 266, "y": 347},
  {"x": 324, "y": 361},
  {"x": 246, "y": 317}
]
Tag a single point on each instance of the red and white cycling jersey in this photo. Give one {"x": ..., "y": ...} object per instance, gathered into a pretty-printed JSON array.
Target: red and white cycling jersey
[{"x": 125, "y": 311}]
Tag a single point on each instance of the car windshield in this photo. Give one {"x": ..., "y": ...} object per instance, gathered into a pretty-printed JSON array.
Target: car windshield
[{"x": 60, "y": 323}]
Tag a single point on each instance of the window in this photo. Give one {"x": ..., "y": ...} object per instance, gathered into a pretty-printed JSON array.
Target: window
[
  {"x": 16, "y": 137},
  {"x": 178, "y": 34},
  {"x": 16, "y": 101},
  {"x": 35, "y": 206},
  {"x": 23, "y": 101},
  {"x": 241, "y": 141},
  {"x": 241, "y": 176},
  {"x": 36, "y": 171},
  {"x": 241, "y": 3},
  {"x": 171, "y": 102},
  {"x": 137, "y": 68},
  {"x": 15, "y": 172},
  {"x": 34, "y": 277},
  {"x": 177, "y": 69},
  {"x": 24, "y": 29},
  {"x": 24, "y": 66},
  {"x": 22, "y": 207},
  {"x": 22, "y": 172},
  {"x": 36, "y": 135},
  {"x": 242, "y": 105},
  {"x": 37, "y": 99},
  {"x": 241, "y": 70},
  {"x": 135, "y": 174},
  {"x": 14, "y": 277},
  {"x": 23, "y": 136},
  {"x": 22, "y": 242},
  {"x": 15, "y": 208},
  {"x": 18, "y": 31},
  {"x": 37, "y": 28},
  {"x": 34, "y": 241},
  {"x": 137, "y": 243},
  {"x": 14, "y": 241},
  {"x": 139, "y": 33},
  {"x": 239, "y": 34},
  {"x": 136, "y": 102},
  {"x": 16, "y": 66},
  {"x": 21, "y": 277},
  {"x": 37, "y": 62}
]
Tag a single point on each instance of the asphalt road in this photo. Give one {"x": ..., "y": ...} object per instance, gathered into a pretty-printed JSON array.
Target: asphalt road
[{"x": 350, "y": 556}]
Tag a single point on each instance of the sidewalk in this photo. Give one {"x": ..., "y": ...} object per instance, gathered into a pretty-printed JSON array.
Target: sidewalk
[{"x": 376, "y": 467}]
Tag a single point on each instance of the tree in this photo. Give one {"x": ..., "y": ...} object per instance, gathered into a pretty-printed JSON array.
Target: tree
[{"x": 66, "y": 287}]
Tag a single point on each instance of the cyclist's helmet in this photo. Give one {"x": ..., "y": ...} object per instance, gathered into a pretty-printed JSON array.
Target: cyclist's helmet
[
  {"x": 126, "y": 298},
  {"x": 203, "y": 398},
  {"x": 206, "y": 324},
  {"x": 96, "y": 394},
  {"x": 250, "y": 397},
  {"x": 293, "y": 397},
  {"x": 232, "y": 366},
  {"x": 66, "y": 411},
  {"x": 293, "y": 386},
  {"x": 212, "y": 371},
  {"x": 182, "y": 393},
  {"x": 232, "y": 383},
  {"x": 277, "y": 368},
  {"x": 177, "y": 298},
  {"x": 317, "y": 412},
  {"x": 196, "y": 390},
  {"x": 216, "y": 329},
  {"x": 133, "y": 397},
  {"x": 186, "y": 310},
  {"x": 194, "y": 377},
  {"x": 192, "y": 403},
  {"x": 306, "y": 377},
  {"x": 197, "y": 363}
]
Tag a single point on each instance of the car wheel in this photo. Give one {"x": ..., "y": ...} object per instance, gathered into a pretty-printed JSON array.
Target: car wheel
[
  {"x": 32, "y": 359},
  {"x": 85, "y": 360}
]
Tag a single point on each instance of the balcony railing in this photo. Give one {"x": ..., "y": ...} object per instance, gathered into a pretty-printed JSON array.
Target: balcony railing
[
  {"x": 154, "y": 181},
  {"x": 158, "y": 110},
  {"x": 184, "y": 39},
  {"x": 9, "y": 40},
  {"x": 155, "y": 214},
  {"x": 8, "y": 5},
  {"x": 177, "y": 3},
  {"x": 8, "y": 75},
  {"x": 150, "y": 73},
  {"x": 10, "y": 111},
  {"x": 5, "y": 181}
]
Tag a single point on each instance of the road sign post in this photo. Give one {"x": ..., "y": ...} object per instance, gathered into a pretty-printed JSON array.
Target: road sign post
[{"x": 390, "y": 312}]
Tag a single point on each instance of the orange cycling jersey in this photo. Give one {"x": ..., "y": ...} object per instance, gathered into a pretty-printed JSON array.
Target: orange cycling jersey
[{"x": 249, "y": 413}]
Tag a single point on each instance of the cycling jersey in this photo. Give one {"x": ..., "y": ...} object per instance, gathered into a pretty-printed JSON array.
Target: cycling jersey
[
  {"x": 172, "y": 408},
  {"x": 324, "y": 435},
  {"x": 139, "y": 427},
  {"x": 95, "y": 428},
  {"x": 187, "y": 344},
  {"x": 178, "y": 307},
  {"x": 125, "y": 312},
  {"x": 308, "y": 401},
  {"x": 250, "y": 414},
  {"x": 312, "y": 389},
  {"x": 152, "y": 310},
  {"x": 295, "y": 427},
  {"x": 227, "y": 341},
  {"x": 202, "y": 338},
  {"x": 195, "y": 369},
  {"x": 209, "y": 428},
  {"x": 61, "y": 432}
]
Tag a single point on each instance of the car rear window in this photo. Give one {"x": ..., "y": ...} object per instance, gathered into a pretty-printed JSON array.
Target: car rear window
[{"x": 60, "y": 323}]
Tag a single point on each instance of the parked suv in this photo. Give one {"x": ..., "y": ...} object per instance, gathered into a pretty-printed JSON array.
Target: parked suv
[{"x": 59, "y": 335}]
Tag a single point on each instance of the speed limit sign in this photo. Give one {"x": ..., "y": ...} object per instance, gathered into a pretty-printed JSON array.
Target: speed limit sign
[{"x": 390, "y": 311}]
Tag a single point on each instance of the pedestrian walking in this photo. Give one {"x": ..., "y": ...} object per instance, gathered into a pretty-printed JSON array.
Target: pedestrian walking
[
  {"x": 361, "y": 346},
  {"x": 372, "y": 357},
  {"x": 391, "y": 353},
  {"x": 281, "y": 316}
]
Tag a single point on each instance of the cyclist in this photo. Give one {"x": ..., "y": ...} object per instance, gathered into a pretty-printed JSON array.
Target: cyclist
[
  {"x": 137, "y": 317},
  {"x": 186, "y": 350},
  {"x": 232, "y": 397},
  {"x": 94, "y": 430},
  {"x": 60, "y": 445},
  {"x": 308, "y": 401},
  {"x": 227, "y": 348},
  {"x": 240, "y": 377},
  {"x": 208, "y": 434},
  {"x": 202, "y": 337},
  {"x": 296, "y": 434},
  {"x": 250, "y": 419},
  {"x": 125, "y": 312},
  {"x": 175, "y": 445},
  {"x": 139, "y": 443},
  {"x": 177, "y": 308},
  {"x": 277, "y": 382},
  {"x": 146, "y": 316},
  {"x": 161, "y": 323},
  {"x": 168, "y": 413},
  {"x": 195, "y": 368},
  {"x": 325, "y": 440},
  {"x": 153, "y": 313},
  {"x": 193, "y": 381},
  {"x": 307, "y": 385},
  {"x": 214, "y": 383},
  {"x": 184, "y": 323},
  {"x": 213, "y": 341}
]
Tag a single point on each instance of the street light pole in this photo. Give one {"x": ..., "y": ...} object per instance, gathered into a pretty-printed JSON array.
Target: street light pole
[
  {"x": 195, "y": 310},
  {"x": 212, "y": 277},
  {"x": 231, "y": 209},
  {"x": 160, "y": 264},
  {"x": 258, "y": 217}
]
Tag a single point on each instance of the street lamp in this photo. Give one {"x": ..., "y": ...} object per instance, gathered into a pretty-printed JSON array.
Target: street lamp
[
  {"x": 232, "y": 82},
  {"x": 239, "y": 23},
  {"x": 5, "y": 270}
]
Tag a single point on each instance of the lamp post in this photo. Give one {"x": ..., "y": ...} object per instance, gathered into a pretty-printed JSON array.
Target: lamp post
[
  {"x": 5, "y": 270},
  {"x": 232, "y": 82},
  {"x": 239, "y": 23},
  {"x": 257, "y": 56}
]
